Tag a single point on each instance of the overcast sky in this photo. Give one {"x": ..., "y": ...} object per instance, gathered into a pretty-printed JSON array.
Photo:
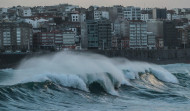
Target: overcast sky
[{"x": 86, "y": 3}]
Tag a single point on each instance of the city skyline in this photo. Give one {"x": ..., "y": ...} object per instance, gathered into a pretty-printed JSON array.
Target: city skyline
[{"x": 86, "y": 3}]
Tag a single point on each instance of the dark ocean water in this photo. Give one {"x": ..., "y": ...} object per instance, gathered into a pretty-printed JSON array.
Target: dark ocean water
[{"x": 95, "y": 84}]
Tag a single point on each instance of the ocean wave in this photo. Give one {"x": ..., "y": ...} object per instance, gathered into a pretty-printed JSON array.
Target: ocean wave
[
  {"x": 82, "y": 71},
  {"x": 85, "y": 82},
  {"x": 178, "y": 68}
]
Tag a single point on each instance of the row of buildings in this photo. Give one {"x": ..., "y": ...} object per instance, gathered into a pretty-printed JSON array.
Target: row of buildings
[{"x": 104, "y": 28}]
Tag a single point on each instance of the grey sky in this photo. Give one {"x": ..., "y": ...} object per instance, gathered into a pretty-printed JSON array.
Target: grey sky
[{"x": 87, "y": 3}]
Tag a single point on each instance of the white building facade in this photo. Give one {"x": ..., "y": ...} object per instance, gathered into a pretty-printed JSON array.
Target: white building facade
[
  {"x": 75, "y": 17},
  {"x": 138, "y": 35}
]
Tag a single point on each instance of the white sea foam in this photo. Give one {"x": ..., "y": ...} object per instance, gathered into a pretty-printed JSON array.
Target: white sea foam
[
  {"x": 80, "y": 70},
  {"x": 134, "y": 68}
]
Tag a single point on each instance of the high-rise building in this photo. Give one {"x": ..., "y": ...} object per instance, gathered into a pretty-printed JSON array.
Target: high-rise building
[
  {"x": 137, "y": 34},
  {"x": 171, "y": 35},
  {"x": 92, "y": 34},
  {"x": 104, "y": 34},
  {"x": 15, "y": 36},
  {"x": 99, "y": 34}
]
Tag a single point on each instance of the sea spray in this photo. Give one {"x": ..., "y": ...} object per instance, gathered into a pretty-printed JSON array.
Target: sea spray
[
  {"x": 133, "y": 68},
  {"x": 80, "y": 70}
]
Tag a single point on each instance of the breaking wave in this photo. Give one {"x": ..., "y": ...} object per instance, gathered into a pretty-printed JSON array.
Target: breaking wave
[{"x": 88, "y": 72}]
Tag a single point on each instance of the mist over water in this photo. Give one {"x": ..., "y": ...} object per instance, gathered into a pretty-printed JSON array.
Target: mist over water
[{"x": 61, "y": 79}]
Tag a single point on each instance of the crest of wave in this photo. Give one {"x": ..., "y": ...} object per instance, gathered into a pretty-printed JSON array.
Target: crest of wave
[
  {"x": 79, "y": 70},
  {"x": 134, "y": 67},
  {"x": 71, "y": 69}
]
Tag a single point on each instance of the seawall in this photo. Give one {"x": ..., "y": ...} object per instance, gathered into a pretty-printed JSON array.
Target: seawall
[{"x": 153, "y": 56}]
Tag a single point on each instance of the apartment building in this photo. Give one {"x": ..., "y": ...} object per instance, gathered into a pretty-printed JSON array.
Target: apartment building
[
  {"x": 15, "y": 36},
  {"x": 137, "y": 34},
  {"x": 99, "y": 34},
  {"x": 132, "y": 13}
]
